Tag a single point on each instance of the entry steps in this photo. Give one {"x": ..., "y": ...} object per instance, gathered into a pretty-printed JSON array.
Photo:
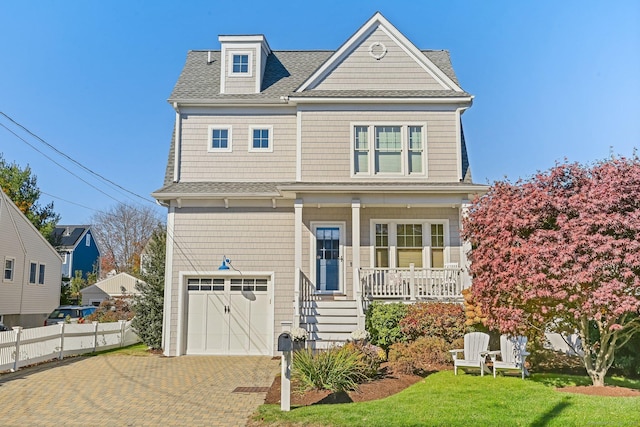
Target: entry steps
[{"x": 329, "y": 322}]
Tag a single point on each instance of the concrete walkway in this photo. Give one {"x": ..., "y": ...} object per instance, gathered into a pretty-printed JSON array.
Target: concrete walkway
[{"x": 118, "y": 390}]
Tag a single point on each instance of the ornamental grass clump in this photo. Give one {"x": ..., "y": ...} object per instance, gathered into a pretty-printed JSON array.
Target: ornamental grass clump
[{"x": 335, "y": 369}]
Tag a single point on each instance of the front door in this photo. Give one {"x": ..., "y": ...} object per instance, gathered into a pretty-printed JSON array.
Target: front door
[{"x": 328, "y": 258}]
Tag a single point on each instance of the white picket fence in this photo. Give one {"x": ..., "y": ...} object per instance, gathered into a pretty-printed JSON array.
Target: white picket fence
[{"x": 21, "y": 347}]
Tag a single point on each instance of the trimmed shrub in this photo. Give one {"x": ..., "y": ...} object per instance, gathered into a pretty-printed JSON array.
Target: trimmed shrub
[
  {"x": 371, "y": 357},
  {"x": 336, "y": 369},
  {"x": 434, "y": 319},
  {"x": 382, "y": 322},
  {"x": 424, "y": 355}
]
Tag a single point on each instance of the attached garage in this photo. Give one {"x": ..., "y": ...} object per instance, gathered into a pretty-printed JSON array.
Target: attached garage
[{"x": 229, "y": 315}]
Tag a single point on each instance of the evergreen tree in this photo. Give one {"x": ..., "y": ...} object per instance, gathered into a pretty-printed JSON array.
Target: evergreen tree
[
  {"x": 149, "y": 304},
  {"x": 21, "y": 187}
]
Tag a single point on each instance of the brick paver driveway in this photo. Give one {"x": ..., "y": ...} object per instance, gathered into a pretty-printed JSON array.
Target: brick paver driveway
[{"x": 119, "y": 390}]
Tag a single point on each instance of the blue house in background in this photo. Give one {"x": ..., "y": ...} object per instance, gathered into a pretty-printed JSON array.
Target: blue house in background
[{"x": 78, "y": 249}]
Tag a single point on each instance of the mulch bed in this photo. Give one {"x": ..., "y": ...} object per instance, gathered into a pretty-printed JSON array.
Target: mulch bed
[{"x": 389, "y": 383}]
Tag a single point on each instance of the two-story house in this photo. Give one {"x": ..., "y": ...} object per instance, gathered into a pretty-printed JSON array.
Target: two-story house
[
  {"x": 30, "y": 284},
  {"x": 301, "y": 185},
  {"x": 78, "y": 249}
]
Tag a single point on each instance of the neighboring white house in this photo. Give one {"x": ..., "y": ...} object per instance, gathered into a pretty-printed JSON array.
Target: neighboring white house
[
  {"x": 328, "y": 178},
  {"x": 30, "y": 286},
  {"x": 120, "y": 285}
]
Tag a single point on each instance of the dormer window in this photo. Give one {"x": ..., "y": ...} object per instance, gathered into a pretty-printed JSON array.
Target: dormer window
[{"x": 240, "y": 64}]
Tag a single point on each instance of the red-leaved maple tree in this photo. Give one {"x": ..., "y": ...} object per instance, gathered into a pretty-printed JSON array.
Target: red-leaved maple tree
[{"x": 561, "y": 251}]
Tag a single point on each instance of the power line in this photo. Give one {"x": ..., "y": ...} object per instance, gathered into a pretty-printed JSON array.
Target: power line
[
  {"x": 178, "y": 243},
  {"x": 69, "y": 201},
  {"x": 71, "y": 159},
  {"x": 58, "y": 164}
]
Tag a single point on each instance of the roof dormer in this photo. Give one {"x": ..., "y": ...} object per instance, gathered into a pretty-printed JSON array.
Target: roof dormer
[{"x": 242, "y": 61}]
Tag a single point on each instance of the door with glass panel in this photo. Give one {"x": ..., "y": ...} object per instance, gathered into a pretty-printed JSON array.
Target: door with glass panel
[{"x": 328, "y": 258}]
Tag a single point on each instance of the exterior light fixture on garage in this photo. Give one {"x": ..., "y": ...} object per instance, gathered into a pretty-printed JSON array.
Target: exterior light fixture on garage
[{"x": 224, "y": 265}]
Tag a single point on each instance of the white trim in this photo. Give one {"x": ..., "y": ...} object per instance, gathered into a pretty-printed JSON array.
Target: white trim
[
  {"x": 210, "y": 130},
  {"x": 182, "y": 297},
  {"x": 291, "y": 101},
  {"x": 343, "y": 105},
  {"x": 342, "y": 226},
  {"x": 393, "y": 239},
  {"x": 168, "y": 280},
  {"x": 404, "y": 166},
  {"x": 378, "y": 21},
  {"x": 269, "y": 148},
  {"x": 298, "y": 224},
  {"x": 466, "y": 100},
  {"x": 274, "y": 110},
  {"x": 298, "y": 146},
  {"x": 178, "y": 144}
]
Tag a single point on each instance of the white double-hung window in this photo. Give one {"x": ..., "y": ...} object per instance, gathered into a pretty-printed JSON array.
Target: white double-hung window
[
  {"x": 9, "y": 267},
  {"x": 389, "y": 149}
]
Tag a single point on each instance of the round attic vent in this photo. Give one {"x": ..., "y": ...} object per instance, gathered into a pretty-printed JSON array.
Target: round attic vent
[{"x": 378, "y": 50}]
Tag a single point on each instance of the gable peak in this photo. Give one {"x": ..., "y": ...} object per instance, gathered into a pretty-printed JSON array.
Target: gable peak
[{"x": 376, "y": 22}]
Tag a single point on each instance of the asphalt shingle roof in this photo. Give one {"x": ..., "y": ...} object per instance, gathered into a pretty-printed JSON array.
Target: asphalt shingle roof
[
  {"x": 274, "y": 189},
  {"x": 285, "y": 71}
]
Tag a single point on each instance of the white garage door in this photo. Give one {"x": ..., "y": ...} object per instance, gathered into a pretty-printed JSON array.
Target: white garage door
[{"x": 228, "y": 316}]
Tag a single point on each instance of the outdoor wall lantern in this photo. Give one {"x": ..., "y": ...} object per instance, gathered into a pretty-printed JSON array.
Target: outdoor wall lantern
[{"x": 224, "y": 265}]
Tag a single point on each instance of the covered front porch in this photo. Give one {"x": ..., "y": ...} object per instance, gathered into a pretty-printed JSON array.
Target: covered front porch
[
  {"x": 406, "y": 285},
  {"x": 358, "y": 244}
]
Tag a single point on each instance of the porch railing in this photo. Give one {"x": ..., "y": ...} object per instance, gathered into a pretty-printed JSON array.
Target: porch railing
[
  {"x": 411, "y": 283},
  {"x": 303, "y": 294}
]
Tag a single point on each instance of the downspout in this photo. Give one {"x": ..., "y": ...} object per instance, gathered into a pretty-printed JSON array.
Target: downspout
[{"x": 178, "y": 148}]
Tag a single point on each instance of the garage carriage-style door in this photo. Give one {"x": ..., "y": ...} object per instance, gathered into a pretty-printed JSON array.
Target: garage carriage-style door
[{"x": 229, "y": 316}]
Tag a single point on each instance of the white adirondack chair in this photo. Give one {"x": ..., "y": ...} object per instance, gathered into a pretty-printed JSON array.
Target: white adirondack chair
[
  {"x": 475, "y": 351},
  {"x": 513, "y": 353}
]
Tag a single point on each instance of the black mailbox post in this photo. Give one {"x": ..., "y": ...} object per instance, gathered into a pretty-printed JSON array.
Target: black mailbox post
[{"x": 285, "y": 342}]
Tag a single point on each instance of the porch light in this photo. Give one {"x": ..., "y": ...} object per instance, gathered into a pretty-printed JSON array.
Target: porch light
[{"x": 224, "y": 265}]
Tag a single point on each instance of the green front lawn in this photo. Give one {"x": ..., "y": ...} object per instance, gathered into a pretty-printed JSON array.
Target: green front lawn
[{"x": 443, "y": 399}]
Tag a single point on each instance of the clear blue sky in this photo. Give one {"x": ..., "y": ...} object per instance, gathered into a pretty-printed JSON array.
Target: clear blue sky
[{"x": 551, "y": 79}]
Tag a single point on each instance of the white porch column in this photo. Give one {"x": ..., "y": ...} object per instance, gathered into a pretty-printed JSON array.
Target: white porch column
[
  {"x": 297, "y": 260},
  {"x": 355, "y": 233},
  {"x": 465, "y": 247},
  {"x": 355, "y": 255}
]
